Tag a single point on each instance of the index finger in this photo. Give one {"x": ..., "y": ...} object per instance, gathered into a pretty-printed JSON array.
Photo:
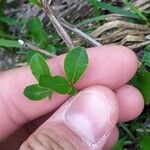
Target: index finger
[{"x": 111, "y": 66}]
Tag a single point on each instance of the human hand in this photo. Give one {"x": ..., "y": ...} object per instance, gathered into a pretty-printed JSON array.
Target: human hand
[{"x": 87, "y": 120}]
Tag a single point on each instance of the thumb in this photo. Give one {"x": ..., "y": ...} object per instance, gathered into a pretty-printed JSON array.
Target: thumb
[{"x": 85, "y": 121}]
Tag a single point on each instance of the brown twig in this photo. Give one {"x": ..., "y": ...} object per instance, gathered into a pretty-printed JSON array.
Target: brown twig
[
  {"x": 81, "y": 34},
  {"x": 30, "y": 46},
  {"x": 136, "y": 46},
  {"x": 61, "y": 31}
]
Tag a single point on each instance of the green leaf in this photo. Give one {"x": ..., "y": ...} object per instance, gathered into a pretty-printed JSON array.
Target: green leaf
[
  {"x": 36, "y": 92},
  {"x": 57, "y": 84},
  {"x": 9, "y": 21},
  {"x": 75, "y": 64},
  {"x": 9, "y": 43},
  {"x": 73, "y": 92},
  {"x": 142, "y": 82},
  {"x": 37, "y": 30},
  {"x": 39, "y": 66},
  {"x": 116, "y": 10},
  {"x": 119, "y": 145},
  {"x": 35, "y": 2},
  {"x": 51, "y": 49},
  {"x": 146, "y": 58},
  {"x": 145, "y": 142}
]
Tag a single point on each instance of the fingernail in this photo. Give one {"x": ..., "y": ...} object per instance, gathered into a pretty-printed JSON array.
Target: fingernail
[{"x": 89, "y": 115}]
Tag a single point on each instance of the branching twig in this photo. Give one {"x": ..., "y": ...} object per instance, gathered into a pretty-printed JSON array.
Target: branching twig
[
  {"x": 48, "y": 9},
  {"x": 30, "y": 46},
  {"x": 79, "y": 33}
]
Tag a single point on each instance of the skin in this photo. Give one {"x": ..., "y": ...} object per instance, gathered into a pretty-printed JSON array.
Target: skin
[{"x": 86, "y": 121}]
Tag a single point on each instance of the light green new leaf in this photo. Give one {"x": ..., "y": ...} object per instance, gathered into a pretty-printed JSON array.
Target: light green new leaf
[
  {"x": 36, "y": 92},
  {"x": 9, "y": 43},
  {"x": 57, "y": 84},
  {"x": 142, "y": 82},
  {"x": 145, "y": 142},
  {"x": 38, "y": 66},
  {"x": 37, "y": 30},
  {"x": 75, "y": 64}
]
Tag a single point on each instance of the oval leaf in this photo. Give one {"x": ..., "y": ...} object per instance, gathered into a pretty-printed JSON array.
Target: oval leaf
[
  {"x": 38, "y": 66},
  {"x": 36, "y": 92},
  {"x": 57, "y": 84},
  {"x": 37, "y": 30},
  {"x": 75, "y": 64}
]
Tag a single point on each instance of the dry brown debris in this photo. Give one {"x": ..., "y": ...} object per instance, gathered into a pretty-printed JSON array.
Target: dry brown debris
[{"x": 123, "y": 33}]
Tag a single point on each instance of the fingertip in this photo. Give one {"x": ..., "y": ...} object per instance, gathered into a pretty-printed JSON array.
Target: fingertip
[
  {"x": 110, "y": 65},
  {"x": 131, "y": 103},
  {"x": 126, "y": 62}
]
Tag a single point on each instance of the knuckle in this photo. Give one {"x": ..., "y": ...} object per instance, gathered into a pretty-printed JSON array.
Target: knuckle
[
  {"x": 37, "y": 141},
  {"x": 41, "y": 141},
  {"x": 46, "y": 141}
]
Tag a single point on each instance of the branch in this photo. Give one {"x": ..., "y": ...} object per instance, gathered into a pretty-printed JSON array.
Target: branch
[
  {"x": 63, "y": 34},
  {"x": 79, "y": 33},
  {"x": 30, "y": 46}
]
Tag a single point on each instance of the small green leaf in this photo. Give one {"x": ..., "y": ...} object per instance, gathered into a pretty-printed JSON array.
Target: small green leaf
[
  {"x": 57, "y": 84},
  {"x": 146, "y": 58},
  {"x": 9, "y": 21},
  {"x": 142, "y": 82},
  {"x": 39, "y": 66},
  {"x": 119, "y": 145},
  {"x": 51, "y": 49},
  {"x": 75, "y": 64},
  {"x": 36, "y": 92},
  {"x": 37, "y": 30},
  {"x": 9, "y": 43},
  {"x": 36, "y": 2},
  {"x": 145, "y": 142}
]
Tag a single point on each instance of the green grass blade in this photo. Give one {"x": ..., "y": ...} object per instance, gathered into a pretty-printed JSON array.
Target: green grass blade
[
  {"x": 116, "y": 10},
  {"x": 135, "y": 10}
]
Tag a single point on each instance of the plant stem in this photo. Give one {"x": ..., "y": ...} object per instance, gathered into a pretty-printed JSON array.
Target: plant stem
[
  {"x": 79, "y": 32},
  {"x": 30, "y": 46},
  {"x": 61, "y": 31}
]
